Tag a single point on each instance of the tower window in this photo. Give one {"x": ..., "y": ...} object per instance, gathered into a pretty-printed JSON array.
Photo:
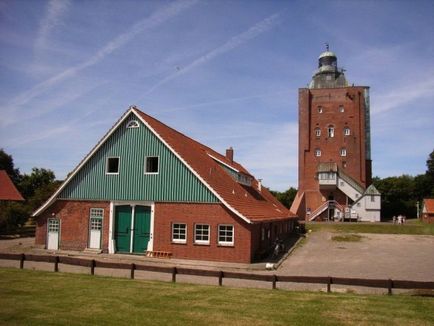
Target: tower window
[
  {"x": 317, "y": 132},
  {"x": 317, "y": 152},
  {"x": 347, "y": 131},
  {"x": 331, "y": 131},
  {"x": 341, "y": 108},
  {"x": 320, "y": 109},
  {"x": 343, "y": 152}
]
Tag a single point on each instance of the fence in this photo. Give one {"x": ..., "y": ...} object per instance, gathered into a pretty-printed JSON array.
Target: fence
[{"x": 388, "y": 284}]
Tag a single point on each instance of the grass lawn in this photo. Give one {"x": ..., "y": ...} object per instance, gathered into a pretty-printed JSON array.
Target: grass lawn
[
  {"x": 42, "y": 298},
  {"x": 411, "y": 227}
]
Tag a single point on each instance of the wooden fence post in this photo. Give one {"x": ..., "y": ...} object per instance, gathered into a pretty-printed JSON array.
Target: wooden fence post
[
  {"x": 23, "y": 257},
  {"x": 274, "y": 282},
  {"x": 329, "y": 282},
  {"x": 92, "y": 267},
  {"x": 389, "y": 286},
  {"x": 174, "y": 271},
  {"x": 56, "y": 263},
  {"x": 133, "y": 267},
  {"x": 221, "y": 278}
]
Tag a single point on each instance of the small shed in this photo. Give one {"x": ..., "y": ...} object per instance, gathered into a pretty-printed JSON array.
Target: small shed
[{"x": 428, "y": 210}]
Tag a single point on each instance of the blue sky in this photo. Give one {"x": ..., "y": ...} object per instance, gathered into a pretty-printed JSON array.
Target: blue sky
[{"x": 226, "y": 73}]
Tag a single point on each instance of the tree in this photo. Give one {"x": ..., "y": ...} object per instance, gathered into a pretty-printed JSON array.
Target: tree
[
  {"x": 286, "y": 197},
  {"x": 7, "y": 164},
  {"x": 430, "y": 165},
  {"x": 38, "y": 179}
]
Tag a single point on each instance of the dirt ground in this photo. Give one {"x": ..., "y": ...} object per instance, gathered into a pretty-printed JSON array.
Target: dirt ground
[{"x": 405, "y": 257}]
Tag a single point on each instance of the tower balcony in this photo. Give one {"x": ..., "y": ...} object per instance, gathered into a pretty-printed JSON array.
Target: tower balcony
[{"x": 327, "y": 180}]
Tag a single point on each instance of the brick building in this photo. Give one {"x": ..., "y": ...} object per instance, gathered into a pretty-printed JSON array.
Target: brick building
[
  {"x": 146, "y": 188},
  {"x": 428, "y": 210},
  {"x": 334, "y": 155}
]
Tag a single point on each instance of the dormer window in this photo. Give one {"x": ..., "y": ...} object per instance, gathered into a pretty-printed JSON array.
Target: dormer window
[{"x": 133, "y": 124}]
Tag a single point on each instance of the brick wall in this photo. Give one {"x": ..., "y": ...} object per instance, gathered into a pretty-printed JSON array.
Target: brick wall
[
  {"x": 212, "y": 214},
  {"x": 74, "y": 223}
]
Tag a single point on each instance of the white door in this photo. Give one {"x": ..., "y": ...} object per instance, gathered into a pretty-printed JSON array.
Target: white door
[
  {"x": 53, "y": 234},
  {"x": 95, "y": 233}
]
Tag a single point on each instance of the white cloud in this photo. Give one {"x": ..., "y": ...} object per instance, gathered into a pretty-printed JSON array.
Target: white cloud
[
  {"x": 233, "y": 43},
  {"x": 55, "y": 10},
  {"x": 154, "y": 20}
]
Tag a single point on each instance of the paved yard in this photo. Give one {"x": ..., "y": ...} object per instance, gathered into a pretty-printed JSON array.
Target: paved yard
[{"x": 375, "y": 256}]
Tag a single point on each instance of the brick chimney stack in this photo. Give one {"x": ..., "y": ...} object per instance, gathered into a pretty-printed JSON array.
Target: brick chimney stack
[{"x": 230, "y": 154}]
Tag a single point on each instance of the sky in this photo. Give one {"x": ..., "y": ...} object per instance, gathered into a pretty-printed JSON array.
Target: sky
[{"x": 225, "y": 73}]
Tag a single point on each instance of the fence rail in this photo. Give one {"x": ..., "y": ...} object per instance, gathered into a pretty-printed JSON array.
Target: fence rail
[{"x": 388, "y": 284}]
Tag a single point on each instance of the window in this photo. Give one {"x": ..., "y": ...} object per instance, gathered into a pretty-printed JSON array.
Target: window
[
  {"x": 318, "y": 132},
  {"x": 201, "y": 233},
  {"x": 96, "y": 215},
  {"x": 226, "y": 235},
  {"x": 372, "y": 198},
  {"x": 317, "y": 152},
  {"x": 331, "y": 131},
  {"x": 179, "y": 232},
  {"x": 320, "y": 109},
  {"x": 133, "y": 124},
  {"x": 112, "y": 166},
  {"x": 347, "y": 131},
  {"x": 53, "y": 225},
  {"x": 343, "y": 152},
  {"x": 151, "y": 164},
  {"x": 341, "y": 108}
]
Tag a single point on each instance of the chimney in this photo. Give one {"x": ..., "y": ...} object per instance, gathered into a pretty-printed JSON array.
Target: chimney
[
  {"x": 259, "y": 185},
  {"x": 230, "y": 154}
]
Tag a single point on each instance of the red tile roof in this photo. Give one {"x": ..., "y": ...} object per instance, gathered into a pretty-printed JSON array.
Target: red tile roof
[
  {"x": 251, "y": 203},
  {"x": 7, "y": 188},
  {"x": 429, "y": 205}
]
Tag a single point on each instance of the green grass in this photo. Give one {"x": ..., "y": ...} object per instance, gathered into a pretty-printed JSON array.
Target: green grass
[
  {"x": 412, "y": 227},
  {"x": 350, "y": 237},
  {"x": 42, "y": 298}
]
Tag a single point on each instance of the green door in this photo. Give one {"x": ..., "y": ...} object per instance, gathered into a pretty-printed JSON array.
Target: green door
[
  {"x": 123, "y": 228},
  {"x": 142, "y": 228}
]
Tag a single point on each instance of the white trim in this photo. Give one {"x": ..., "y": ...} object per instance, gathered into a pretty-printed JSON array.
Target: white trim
[
  {"x": 201, "y": 242},
  {"x": 133, "y": 124},
  {"x": 226, "y": 243},
  {"x": 215, "y": 193},
  {"x": 225, "y": 164},
  {"x": 111, "y": 246},
  {"x": 133, "y": 218},
  {"x": 181, "y": 241},
  {"x": 84, "y": 161}
]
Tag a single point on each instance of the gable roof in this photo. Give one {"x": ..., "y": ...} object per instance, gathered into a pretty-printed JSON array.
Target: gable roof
[
  {"x": 428, "y": 205},
  {"x": 249, "y": 203},
  {"x": 8, "y": 191}
]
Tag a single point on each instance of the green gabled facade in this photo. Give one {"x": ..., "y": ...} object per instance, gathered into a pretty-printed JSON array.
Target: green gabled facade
[{"x": 173, "y": 183}]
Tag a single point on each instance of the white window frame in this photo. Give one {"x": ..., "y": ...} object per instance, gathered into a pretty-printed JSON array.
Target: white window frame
[
  {"x": 133, "y": 124},
  {"x": 343, "y": 152},
  {"x": 318, "y": 132},
  {"x": 200, "y": 241},
  {"x": 225, "y": 243},
  {"x": 317, "y": 152},
  {"x": 341, "y": 109},
  {"x": 107, "y": 165},
  {"x": 320, "y": 109},
  {"x": 158, "y": 164},
  {"x": 173, "y": 232},
  {"x": 347, "y": 131}
]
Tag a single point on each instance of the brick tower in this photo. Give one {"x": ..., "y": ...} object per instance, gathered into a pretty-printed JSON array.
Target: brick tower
[{"x": 334, "y": 155}]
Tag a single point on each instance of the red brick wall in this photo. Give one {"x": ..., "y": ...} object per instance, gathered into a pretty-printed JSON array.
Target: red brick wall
[
  {"x": 74, "y": 223},
  {"x": 428, "y": 218},
  {"x": 356, "y": 164},
  {"x": 212, "y": 214}
]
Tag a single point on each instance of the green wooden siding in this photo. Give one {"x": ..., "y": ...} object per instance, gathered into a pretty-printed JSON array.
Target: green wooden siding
[{"x": 174, "y": 182}]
